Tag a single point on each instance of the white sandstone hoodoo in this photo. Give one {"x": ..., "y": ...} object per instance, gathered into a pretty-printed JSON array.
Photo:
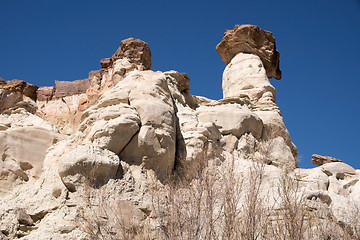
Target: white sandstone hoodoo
[{"x": 127, "y": 130}]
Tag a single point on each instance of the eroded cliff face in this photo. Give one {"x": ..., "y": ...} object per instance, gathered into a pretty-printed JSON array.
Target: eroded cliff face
[{"x": 125, "y": 122}]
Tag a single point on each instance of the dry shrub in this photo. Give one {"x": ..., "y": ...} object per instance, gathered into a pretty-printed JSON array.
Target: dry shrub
[
  {"x": 212, "y": 199},
  {"x": 186, "y": 205},
  {"x": 103, "y": 215}
]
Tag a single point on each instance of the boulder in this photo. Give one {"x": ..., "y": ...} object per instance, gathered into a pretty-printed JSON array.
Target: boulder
[
  {"x": 111, "y": 127},
  {"x": 136, "y": 51},
  {"x": 23, "y": 152},
  {"x": 321, "y": 160},
  {"x": 16, "y": 91},
  {"x": 312, "y": 179},
  {"x": 232, "y": 119},
  {"x": 88, "y": 164},
  {"x": 251, "y": 39},
  {"x": 338, "y": 169},
  {"x": 106, "y": 62},
  {"x": 229, "y": 143},
  {"x": 23, "y": 217}
]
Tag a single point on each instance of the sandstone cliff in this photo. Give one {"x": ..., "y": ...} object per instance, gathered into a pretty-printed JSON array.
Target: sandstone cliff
[{"x": 126, "y": 130}]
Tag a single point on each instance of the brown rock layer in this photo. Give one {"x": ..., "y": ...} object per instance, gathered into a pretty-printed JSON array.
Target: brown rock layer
[
  {"x": 2, "y": 81},
  {"x": 320, "y": 160},
  {"x": 19, "y": 86},
  {"x": 45, "y": 93},
  {"x": 136, "y": 50},
  {"x": 65, "y": 88},
  {"x": 251, "y": 39}
]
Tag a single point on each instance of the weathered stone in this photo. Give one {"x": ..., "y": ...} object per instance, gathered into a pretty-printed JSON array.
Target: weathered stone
[
  {"x": 45, "y": 93},
  {"x": 314, "y": 178},
  {"x": 23, "y": 217},
  {"x": 23, "y": 152},
  {"x": 246, "y": 76},
  {"x": 94, "y": 164},
  {"x": 17, "y": 94},
  {"x": 276, "y": 152},
  {"x": 320, "y": 160},
  {"x": 154, "y": 144},
  {"x": 137, "y": 51},
  {"x": 22, "y": 87},
  {"x": 64, "y": 113},
  {"x": 2, "y": 81},
  {"x": 114, "y": 127},
  {"x": 337, "y": 169},
  {"x": 232, "y": 119},
  {"x": 128, "y": 129},
  {"x": 229, "y": 143},
  {"x": 65, "y": 88},
  {"x": 273, "y": 127},
  {"x": 106, "y": 62},
  {"x": 251, "y": 39}
]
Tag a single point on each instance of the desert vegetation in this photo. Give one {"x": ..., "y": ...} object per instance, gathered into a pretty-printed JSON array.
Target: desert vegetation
[{"x": 215, "y": 199}]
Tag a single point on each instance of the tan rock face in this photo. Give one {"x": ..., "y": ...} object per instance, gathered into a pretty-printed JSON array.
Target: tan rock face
[
  {"x": 232, "y": 119},
  {"x": 154, "y": 144},
  {"x": 23, "y": 146},
  {"x": 245, "y": 78},
  {"x": 63, "y": 104},
  {"x": 254, "y": 40},
  {"x": 94, "y": 164}
]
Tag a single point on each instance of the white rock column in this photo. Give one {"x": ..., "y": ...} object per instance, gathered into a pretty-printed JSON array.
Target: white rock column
[{"x": 245, "y": 74}]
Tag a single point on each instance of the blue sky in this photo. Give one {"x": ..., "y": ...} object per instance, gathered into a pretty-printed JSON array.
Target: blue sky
[{"x": 43, "y": 41}]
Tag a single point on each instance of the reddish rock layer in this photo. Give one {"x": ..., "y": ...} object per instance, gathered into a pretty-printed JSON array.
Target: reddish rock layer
[
  {"x": 65, "y": 88},
  {"x": 136, "y": 50},
  {"x": 251, "y": 39}
]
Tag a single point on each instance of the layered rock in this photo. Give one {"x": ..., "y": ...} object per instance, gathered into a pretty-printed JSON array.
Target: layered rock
[
  {"x": 136, "y": 51},
  {"x": 320, "y": 160},
  {"x": 64, "y": 104},
  {"x": 24, "y": 141},
  {"x": 64, "y": 88},
  {"x": 114, "y": 135},
  {"x": 17, "y": 93},
  {"x": 252, "y": 40}
]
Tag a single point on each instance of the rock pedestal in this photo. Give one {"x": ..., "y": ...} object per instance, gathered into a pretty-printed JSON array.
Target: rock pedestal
[
  {"x": 254, "y": 40},
  {"x": 120, "y": 134}
]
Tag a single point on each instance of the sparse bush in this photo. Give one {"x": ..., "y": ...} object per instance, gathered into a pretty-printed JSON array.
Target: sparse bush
[{"x": 212, "y": 199}]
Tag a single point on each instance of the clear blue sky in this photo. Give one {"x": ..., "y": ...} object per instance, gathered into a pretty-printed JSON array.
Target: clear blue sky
[{"x": 319, "y": 44}]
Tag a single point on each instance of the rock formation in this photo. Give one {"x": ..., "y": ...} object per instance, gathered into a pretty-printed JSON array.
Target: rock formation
[
  {"x": 320, "y": 160},
  {"x": 125, "y": 123},
  {"x": 253, "y": 40}
]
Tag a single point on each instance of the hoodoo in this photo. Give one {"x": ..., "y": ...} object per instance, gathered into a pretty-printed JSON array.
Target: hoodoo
[{"x": 130, "y": 152}]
